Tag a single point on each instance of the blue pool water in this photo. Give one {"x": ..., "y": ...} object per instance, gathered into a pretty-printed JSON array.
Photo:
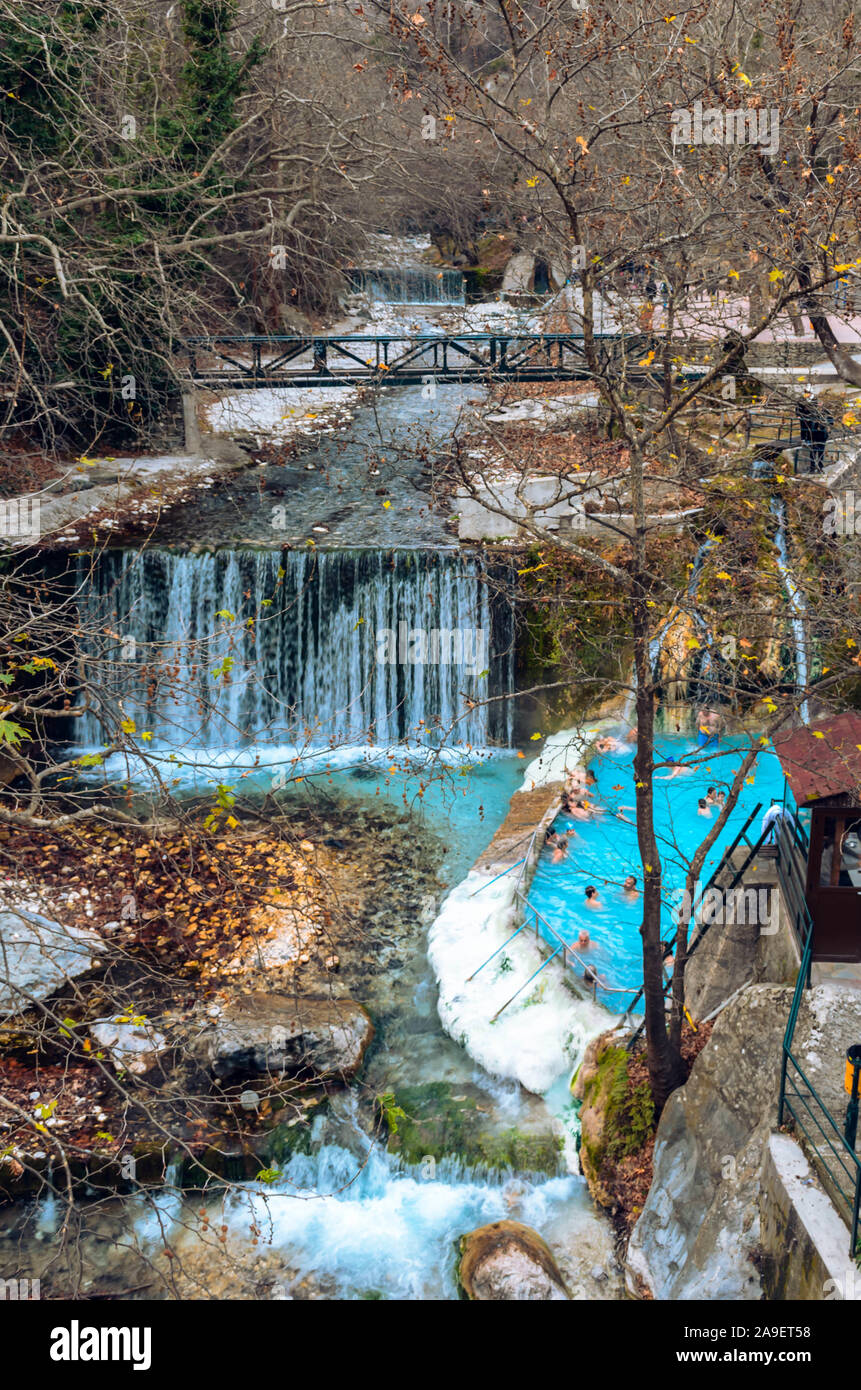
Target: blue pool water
[
  {"x": 604, "y": 851},
  {"x": 460, "y": 794},
  {"x": 464, "y": 804}
]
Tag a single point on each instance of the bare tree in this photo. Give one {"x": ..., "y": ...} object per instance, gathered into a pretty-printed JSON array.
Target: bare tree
[{"x": 600, "y": 112}]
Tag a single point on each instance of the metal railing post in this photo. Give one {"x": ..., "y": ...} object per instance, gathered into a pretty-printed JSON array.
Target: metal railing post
[{"x": 782, "y": 1098}]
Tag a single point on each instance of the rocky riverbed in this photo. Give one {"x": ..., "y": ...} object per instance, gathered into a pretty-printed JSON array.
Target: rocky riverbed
[{"x": 332, "y": 1084}]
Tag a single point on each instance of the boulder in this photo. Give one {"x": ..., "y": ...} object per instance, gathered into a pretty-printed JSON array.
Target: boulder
[
  {"x": 699, "y": 1232},
  {"x": 509, "y": 1261},
  {"x": 519, "y": 274},
  {"x": 38, "y": 955},
  {"x": 283, "y": 939},
  {"x": 133, "y": 1047},
  {"x": 600, "y": 1074},
  {"x": 281, "y": 1035}
]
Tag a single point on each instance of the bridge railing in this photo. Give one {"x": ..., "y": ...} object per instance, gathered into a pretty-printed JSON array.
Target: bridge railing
[{"x": 338, "y": 358}]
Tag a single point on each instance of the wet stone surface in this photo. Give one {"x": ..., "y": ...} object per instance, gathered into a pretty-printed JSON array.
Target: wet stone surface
[{"x": 371, "y": 484}]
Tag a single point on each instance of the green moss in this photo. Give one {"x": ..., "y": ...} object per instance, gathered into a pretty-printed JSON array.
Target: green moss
[
  {"x": 637, "y": 1121},
  {"x": 629, "y": 1114},
  {"x": 481, "y": 281},
  {"x": 285, "y": 1140},
  {"x": 436, "y": 1121}
]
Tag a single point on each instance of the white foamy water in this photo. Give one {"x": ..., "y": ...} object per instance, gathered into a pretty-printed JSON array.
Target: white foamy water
[
  {"x": 562, "y": 752},
  {"x": 349, "y": 1226},
  {"x": 539, "y": 1036},
  {"x": 191, "y": 768},
  {"x": 260, "y": 646}
]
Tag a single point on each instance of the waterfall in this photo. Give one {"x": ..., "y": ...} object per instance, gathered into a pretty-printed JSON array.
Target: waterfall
[
  {"x": 299, "y": 647},
  {"x": 796, "y": 604},
  {"x": 410, "y": 285},
  {"x": 657, "y": 642},
  {"x": 758, "y": 468}
]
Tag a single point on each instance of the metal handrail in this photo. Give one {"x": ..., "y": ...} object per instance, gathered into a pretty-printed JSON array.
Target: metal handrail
[
  {"x": 569, "y": 954},
  {"x": 517, "y": 893},
  {"x": 567, "y": 948},
  {"x": 848, "y": 1161},
  {"x": 704, "y": 926},
  {"x": 498, "y": 876},
  {"x": 526, "y": 859}
]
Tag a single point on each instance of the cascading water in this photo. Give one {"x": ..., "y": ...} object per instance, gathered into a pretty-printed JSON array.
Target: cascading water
[
  {"x": 657, "y": 641},
  {"x": 760, "y": 467},
  {"x": 410, "y": 285},
  {"x": 340, "y": 647},
  {"x": 796, "y": 603}
]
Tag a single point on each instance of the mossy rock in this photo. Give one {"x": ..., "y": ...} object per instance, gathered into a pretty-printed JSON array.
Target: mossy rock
[
  {"x": 614, "y": 1121},
  {"x": 481, "y": 281},
  {"x": 269, "y": 1150},
  {"x": 437, "y": 1120}
]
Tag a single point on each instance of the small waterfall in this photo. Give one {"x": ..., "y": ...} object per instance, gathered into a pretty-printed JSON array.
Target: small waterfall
[
  {"x": 761, "y": 467},
  {"x": 702, "y": 666},
  {"x": 796, "y": 603},
  {"x": 657, "y": 642},
  {"x": 313, "y": 648},
  {"x": 410, "y": 285}
]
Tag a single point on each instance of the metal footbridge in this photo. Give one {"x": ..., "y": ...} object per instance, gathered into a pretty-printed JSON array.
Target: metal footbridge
[
  {"x": 290, "y": 360},
  {"x": 261, "y": 361}
]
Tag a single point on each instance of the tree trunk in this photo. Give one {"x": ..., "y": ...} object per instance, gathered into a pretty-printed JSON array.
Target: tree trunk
[{"x": 664, "y": 1061}]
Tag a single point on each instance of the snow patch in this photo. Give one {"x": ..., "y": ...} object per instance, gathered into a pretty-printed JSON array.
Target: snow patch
[{"x": 277, "y": 416}]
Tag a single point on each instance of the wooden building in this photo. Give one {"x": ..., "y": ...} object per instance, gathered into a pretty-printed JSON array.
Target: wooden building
[{"x": 822, "y": 766}]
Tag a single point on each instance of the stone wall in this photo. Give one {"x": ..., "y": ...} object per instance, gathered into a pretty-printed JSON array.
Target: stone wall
[
  {"x": 704, "y": 1231},
  {"x": 538, "y": 499},
  {"x": 734, "y": 954},
  {"x": 805, "y": 1253}
]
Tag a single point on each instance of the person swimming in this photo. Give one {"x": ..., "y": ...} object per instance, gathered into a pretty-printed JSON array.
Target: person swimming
[
  {"x": 679, "y": 770},
  {"x": 584, "y": 940},
  {"x": 592, "y": 899},
  {"x": 630, "y": 889},
  {"x": 560, "y": 849},
  {"x": 579, "y": 811},
  {"x": 703, "y": 808},
  {"x": 607, "y": 744}
]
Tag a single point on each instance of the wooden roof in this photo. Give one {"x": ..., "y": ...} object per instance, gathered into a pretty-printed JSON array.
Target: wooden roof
[{"x": 822, "y": 760}]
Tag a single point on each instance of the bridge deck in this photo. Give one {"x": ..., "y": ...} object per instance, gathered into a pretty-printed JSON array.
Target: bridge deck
[
  {"x": 256, "y": 361},
  {"x": 292, "y": 360}
]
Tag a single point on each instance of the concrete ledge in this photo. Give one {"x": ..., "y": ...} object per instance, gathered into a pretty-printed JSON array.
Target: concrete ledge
[
  {"x": 528, "y": 811},
  {"x": 546, "y": 503},
  {"x": 123, "y": 490},
  {"x": 805, "y": 1243}
]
